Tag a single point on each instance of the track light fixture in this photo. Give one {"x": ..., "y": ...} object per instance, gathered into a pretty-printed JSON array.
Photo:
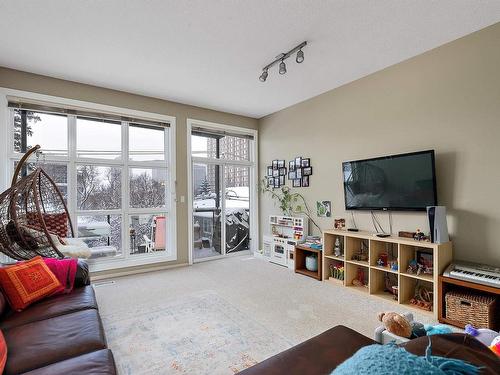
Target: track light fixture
[
  {"x": 282, "y": 67},
  {"x": 280, "y": 59},
  {"x": 263, "y": 76}
]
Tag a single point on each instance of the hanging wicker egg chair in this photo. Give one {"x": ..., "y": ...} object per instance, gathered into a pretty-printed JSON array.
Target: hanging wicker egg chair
[{"x": 33, "y": 215}]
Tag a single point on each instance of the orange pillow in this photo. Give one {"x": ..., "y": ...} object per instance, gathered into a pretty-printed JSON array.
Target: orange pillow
[
  {"x": 26, "y": 282},
  {"x": 3, "y": 352}
]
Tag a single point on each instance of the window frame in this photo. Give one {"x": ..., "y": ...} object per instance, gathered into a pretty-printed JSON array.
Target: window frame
[{"x": 125, "y": 259}]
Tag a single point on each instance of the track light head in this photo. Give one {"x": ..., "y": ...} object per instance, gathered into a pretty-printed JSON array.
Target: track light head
[
  {"x": 282, "y": 67},
  {"x": 263, "y": 76},
  {"x": 300, "y": 56}
]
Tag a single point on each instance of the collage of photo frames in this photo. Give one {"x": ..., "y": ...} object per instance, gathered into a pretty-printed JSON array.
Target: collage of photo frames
[{"x": 299, "y": 172}]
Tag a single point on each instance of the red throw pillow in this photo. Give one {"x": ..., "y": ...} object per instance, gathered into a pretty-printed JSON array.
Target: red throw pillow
[
  {"x": 26, "y": 282},
  {"x": 3, "y": 352},
  {"x": 65, "y": 271}
]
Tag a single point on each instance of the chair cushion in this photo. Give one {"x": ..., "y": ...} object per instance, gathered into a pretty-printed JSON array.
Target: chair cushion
[
  {"x": 319, "y": 355},
  {"x": 26, "y": 282},
  {"x": 78, "y": 299},
  {"x": 459, "y": 346},
  {"x": 45, "y": 342},
  {"x": 100, "y": 362}
]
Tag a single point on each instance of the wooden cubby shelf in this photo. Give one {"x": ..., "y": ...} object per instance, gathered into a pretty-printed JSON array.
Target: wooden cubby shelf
[{"x": 398, "y": 249}]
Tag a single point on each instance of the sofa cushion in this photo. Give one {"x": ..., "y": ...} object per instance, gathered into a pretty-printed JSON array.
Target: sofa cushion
[
  {"x": 78, "y": 299},
  {"x": 44, "y": 342},
  {"x": 26, "y": 282},
  {"x": 457, "y": 345},
  {"x": 319, "y": 355},
  {"x": 100, "y": 362},
  {"x": 3, "y": 352}
]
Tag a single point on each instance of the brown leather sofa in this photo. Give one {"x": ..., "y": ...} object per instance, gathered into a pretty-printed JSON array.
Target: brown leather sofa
[
  {"x": 60, "y": 335},
  {"x": 323, "y": 353}
]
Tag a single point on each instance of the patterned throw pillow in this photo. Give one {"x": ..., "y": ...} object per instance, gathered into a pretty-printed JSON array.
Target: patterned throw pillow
[
  {"x": 3, "y": 352},
  {"x": 26, "y": 282},
  {"x": 55, "y": 223}
]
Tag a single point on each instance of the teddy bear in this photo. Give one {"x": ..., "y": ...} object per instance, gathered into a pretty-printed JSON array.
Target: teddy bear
[{"x": 396, "y": 324}]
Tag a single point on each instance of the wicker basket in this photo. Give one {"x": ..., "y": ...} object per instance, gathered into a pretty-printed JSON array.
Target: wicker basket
[{"x": 470, "y": 308}]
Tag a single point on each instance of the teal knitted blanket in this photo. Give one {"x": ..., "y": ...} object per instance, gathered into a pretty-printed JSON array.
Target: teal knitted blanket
[{"x": 390, "y": 359}]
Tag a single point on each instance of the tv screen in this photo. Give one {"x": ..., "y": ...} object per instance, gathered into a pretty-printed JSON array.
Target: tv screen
[{"x": 405, "y": 182}]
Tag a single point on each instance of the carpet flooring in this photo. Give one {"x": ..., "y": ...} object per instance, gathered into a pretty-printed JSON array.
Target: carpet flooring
[{"x": 222, "y": 316}]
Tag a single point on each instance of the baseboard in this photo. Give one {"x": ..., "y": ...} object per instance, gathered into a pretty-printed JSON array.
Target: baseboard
[{"x": 134, "y": 271}]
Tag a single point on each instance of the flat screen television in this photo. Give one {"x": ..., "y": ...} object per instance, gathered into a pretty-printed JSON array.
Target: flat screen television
[{"x": 404, "y": 182}]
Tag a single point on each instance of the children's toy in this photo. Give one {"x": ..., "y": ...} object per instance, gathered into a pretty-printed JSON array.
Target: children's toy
[
  {"x": 396, "y": 324},
  {"x": 483, "y": 335},
  {"x": 438, "y": 329},
  {"x": 417, "y": 330},
  {"x": 495, "y": 346}
]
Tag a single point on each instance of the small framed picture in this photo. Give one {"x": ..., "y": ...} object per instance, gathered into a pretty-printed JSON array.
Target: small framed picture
[
  {"x": 282, "y": 180},
  {"x": 296, "y": 182},
  {"x": 305, "y": 181},
  {"x": 276, "y": 182},
  {"x": 297, "y": 161},
  {"x": 281, "y": 164},
  {"x": 270, "y": 181},
  {"x": 307, "y": 171},
  {"x": 275, "y": 164},
  {"x": 298, "y": 173},
  {"x": 276, "y": 172},
  {"x": 269, "y": 171},
  {"x": 305, "y": 163},
  {"x": 425, "y": 258},
  {"x": 282, "y": 171},
  {"x": 291, "y": 175},
  {"x": 291, "y": 165}
]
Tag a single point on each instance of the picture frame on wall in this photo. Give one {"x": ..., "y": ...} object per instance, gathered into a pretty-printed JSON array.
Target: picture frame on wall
[
  {"x": 306, "y": 162},
  {"x": 269, "y": 171},
  {"x": 275, "y": 164},
  {"x": 298, "y": 162},
  {"x": 276, "y": 172},
  {"x": 282, "y": 180},
  {"x": 298, "y": 173},
  {"x": 270, "y": 181},
  {"x": 281, "y": 164},
  {"x": 307, "y": 171},
  {"x": 282, "y": 171},
  {"x": 291, "y": 175},
  {"x": 296, "y": 182},
  {"x": 291, "y": 165},
  {"x": 276, "y": 182},
  {"x": 305, "y": 181}
]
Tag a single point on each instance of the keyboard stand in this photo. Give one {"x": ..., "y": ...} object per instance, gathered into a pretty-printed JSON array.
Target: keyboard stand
[{"x": 446, "y": 284}]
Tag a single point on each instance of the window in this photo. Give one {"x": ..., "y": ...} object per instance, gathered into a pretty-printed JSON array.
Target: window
[{"x": 112, "y": 171}]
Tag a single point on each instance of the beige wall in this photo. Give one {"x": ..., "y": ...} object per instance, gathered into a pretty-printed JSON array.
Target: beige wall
[
  {"x": 447, "y": 99},
  {"x": 72, "y": 90}
]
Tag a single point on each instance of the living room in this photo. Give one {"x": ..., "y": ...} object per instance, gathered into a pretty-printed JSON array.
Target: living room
[{"x": 249, "y": 187}]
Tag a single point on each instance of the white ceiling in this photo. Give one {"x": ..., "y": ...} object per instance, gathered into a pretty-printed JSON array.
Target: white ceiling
[{"x": 210, "y": 53}]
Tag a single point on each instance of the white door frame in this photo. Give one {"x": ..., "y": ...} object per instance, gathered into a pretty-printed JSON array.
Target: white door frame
[{"x": 254, "y": 185}]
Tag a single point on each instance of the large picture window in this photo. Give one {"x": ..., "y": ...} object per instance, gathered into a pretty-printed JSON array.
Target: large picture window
[{"x": 113, "y": 172}]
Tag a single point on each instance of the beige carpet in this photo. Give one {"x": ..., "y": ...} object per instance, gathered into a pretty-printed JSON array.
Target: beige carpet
[{"x": 222, "y": 316}]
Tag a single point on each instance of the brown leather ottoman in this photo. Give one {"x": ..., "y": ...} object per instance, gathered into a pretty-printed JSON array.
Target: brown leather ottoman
[{"x": 319, "y": 355}]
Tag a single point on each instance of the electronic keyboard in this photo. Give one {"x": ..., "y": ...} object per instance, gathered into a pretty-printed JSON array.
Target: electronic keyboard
[{"x": 474, "y": 272}]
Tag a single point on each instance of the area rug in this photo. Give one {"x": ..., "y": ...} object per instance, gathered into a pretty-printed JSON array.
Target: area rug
[{"x": 198, "y": 334}]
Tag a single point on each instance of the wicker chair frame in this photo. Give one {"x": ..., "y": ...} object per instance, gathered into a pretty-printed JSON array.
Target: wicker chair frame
[{"x": 25, "y": 211}]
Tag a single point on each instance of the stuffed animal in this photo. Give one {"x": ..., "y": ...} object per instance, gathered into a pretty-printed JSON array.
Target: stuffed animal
[
  {"x": 417, "y": 330},
  {"x": 396, "y": 324},
  {"x": 483, "y": 335},
  {"x": 495, "y": 345},
  {"x": 438, "y": 329}
]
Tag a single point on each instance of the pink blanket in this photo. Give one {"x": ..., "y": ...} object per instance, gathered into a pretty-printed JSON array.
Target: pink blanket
[{"x": 65, "y": 271}]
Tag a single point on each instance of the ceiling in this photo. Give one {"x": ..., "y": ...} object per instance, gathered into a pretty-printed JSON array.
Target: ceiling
[{"x": 210, "y": 53}]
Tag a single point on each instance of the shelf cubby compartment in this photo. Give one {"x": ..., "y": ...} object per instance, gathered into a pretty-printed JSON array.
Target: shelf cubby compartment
[
  {"x": 353, "y": 247},
  {"x": 329, "y": 244},
  {"x": 351, "y": 273},
  {"x": 378, "y": 284},
  {"x": 328, "y": 260},
  {"x": 407, "y": 286},
  {"x": 407, "y": 253},
  {"x": 379, "y": 247}
]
